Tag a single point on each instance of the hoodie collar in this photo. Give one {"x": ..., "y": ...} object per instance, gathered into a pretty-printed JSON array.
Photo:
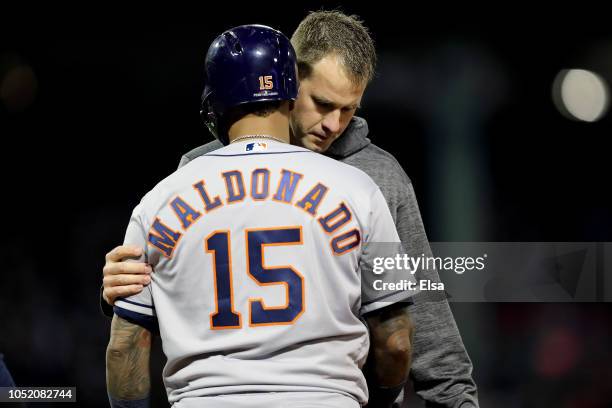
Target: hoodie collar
[{"x": 352, "y": 140}]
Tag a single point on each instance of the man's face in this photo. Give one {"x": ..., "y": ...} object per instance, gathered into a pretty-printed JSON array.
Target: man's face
[{"x": 325, "y": 105}]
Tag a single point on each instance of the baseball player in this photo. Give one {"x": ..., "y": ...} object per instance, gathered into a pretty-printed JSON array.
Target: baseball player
[{"x": 262, "y": 255}]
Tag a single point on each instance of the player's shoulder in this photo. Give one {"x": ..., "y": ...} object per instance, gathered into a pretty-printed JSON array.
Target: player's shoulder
[
  {"x": 168, "y": 187},
  {"x": 200, "y": 151},
  {"x": 309, "y": 161},
  {"x": 161, "y": 189},
  {"x": 194, "y": 160}
]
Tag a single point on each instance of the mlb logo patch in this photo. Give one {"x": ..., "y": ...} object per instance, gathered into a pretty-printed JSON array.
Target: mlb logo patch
[{"x": 256, "y": 147}]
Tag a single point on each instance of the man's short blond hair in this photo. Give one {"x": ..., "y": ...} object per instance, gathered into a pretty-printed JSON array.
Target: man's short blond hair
[{"x": 323, "y": 33}]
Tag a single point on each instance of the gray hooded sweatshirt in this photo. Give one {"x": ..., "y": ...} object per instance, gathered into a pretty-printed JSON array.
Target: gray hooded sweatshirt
[{"x": 441, "y": 370}]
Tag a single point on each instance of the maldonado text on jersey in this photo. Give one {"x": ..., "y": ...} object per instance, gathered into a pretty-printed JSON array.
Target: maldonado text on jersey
[{"x": 257, "y": 185}]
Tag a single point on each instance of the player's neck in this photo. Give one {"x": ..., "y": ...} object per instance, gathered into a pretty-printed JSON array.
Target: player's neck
[{"x": 275, "y": 124}]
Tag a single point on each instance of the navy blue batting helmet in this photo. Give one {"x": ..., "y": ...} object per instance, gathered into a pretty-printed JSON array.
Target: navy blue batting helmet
[{"x": 247, "y": 64}]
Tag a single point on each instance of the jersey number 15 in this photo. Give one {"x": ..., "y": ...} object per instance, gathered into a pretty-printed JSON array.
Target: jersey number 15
[{"x": 225, "y": 316}]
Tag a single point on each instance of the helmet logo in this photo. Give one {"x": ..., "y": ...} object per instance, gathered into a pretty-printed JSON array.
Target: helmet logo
[{"x": 265, "y": 82}]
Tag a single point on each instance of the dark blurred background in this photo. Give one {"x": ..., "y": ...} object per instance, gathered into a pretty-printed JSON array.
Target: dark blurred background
[{"x": 97, "y": 107}]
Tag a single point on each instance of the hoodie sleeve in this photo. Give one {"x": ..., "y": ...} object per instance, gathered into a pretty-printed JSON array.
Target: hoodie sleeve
[{"x": 441, "y": 368}]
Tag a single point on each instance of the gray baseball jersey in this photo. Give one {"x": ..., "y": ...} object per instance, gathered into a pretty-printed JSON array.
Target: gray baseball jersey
[{"x": 260, "y": 260}]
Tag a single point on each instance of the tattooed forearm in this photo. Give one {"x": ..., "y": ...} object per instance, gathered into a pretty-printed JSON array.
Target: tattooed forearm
[
  {"x": 127, "y": 361},
  {"x": 391, "y": 332}
]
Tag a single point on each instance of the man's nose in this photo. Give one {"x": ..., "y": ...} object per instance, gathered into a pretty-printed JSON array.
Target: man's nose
[{"x": 331, "y": 122}]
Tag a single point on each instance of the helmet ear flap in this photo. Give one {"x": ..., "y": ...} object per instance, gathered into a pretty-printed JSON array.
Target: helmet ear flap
[
  {"x": 210, "y": 119},
  {"x": 207, "y": 115}
]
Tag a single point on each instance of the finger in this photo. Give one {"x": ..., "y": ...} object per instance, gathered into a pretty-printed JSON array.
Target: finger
[
  {"x": 124, "y": 280},
  {"x": 121, "y": 291},
  {"x": 126, "y": 268},
  {"x": 123, "y": 251}
]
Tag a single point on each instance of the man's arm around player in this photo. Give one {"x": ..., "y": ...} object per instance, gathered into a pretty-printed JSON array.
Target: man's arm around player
[
  {"x": 128, "y": 380},
  {"x": 122, "y": 278}
]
